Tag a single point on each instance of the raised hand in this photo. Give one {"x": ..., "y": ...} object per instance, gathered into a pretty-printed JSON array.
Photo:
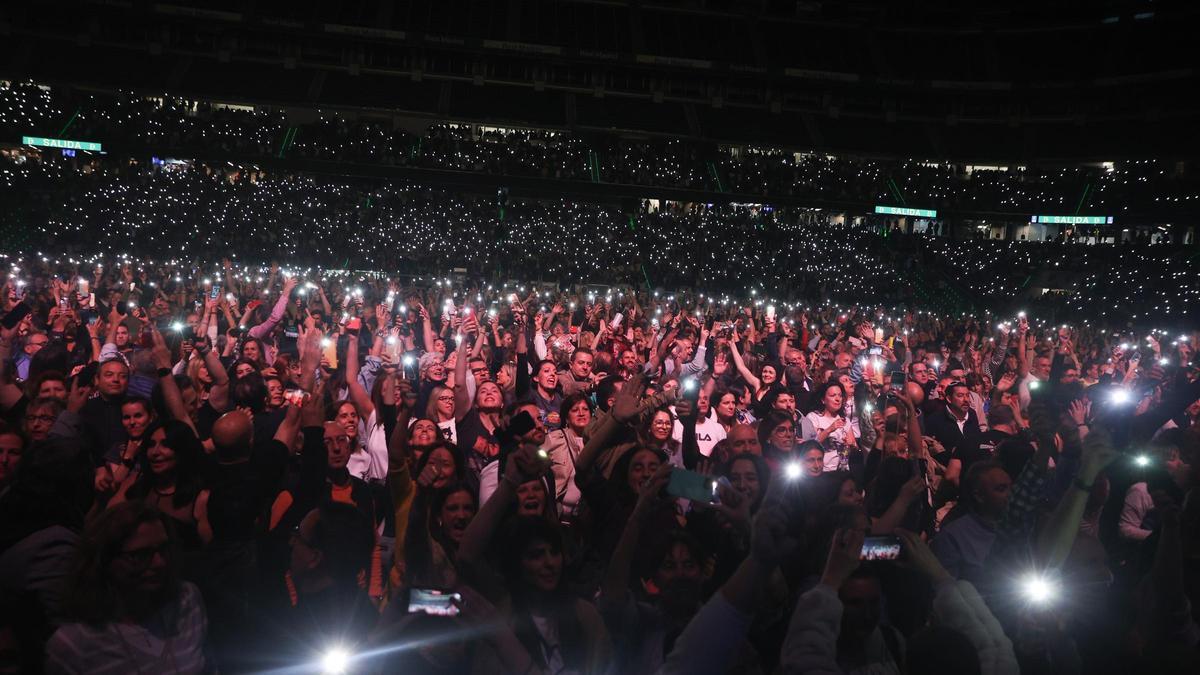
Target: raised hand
[
  {"x": 627, "y": 404},
  {"x": 162, "y": 355},
  {"x": 406, "y": 398},
  {"x": 844, "y": 554}
]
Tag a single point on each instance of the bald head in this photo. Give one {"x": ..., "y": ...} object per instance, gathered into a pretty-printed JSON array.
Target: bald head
[
  {"x": 743, "y": 438},
  {"x": 233, "y": 435},
  {"x": 915, "y": 392}
]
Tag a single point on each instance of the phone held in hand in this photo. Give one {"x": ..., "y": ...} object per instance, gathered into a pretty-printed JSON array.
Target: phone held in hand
[
  {"x": 16, "y": 315},
  {"x": 215, "y": 292},
  {"x": 694, "y": 486},
  {"x": 880, "y": 547},
  {"x": 690, "y": 388},
  {"x": 296, "y": 397},
  {"x": 897, "y": 380},
  {"x": 433, "y": 602}
]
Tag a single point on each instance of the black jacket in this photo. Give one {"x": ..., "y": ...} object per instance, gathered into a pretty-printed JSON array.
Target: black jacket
[{"x": 942, "y": 426}]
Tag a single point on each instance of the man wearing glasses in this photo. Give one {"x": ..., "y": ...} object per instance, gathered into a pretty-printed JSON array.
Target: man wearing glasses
[{"x": 33, "y": 344}]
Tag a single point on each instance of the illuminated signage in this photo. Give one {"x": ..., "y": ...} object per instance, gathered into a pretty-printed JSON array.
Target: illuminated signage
[
  {"x": 1072, "y": 220},
  {"x": 60, "y": 143},
  {"x": 899, "y": 211}
]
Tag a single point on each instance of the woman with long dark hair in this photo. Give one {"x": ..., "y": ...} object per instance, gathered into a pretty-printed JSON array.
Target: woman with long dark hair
[
  {"x": 172, "y": 482},
  {"x": 834, "y": 431}
]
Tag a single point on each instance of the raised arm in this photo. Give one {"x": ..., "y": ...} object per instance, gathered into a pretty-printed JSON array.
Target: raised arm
[
  {"x": 524, "y": 465},
  {"x": 9, "y": 392},
  {"x": 1022, "y": 353},
  {"x": 754, "y": 382},
  {"x": 218, "y": 393},
  {"x": 166, "y": 380},
  {"x": 277, "y": 311},
  {"x": 615, "y": 587},
  {"x": 1057, "y": 537},
  {"x": 359, "y": 396}
]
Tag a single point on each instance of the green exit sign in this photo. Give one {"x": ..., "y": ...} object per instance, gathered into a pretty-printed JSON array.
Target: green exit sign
[
  {"x": 60, "y": 143},
  {"x": 1072, "y": 220},
  {"x": 899, "y": 211}
]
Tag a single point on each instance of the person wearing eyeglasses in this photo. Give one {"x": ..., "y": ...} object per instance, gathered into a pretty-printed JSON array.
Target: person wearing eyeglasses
[
  {"x": 127, "y": 608},
  {"x": 40, "y": 416},
  {"x": 34, "y": 343},
  {"x": 441, "y": 411}
]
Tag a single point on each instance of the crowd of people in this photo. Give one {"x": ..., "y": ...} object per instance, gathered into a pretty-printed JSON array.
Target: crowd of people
[
  {"x": 168, "y": 126},
  {"x": 224, "y": 467},
  {"x": 89, "y": 207}
]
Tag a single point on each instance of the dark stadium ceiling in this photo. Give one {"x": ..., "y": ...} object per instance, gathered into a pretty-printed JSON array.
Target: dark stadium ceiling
[{"x": 1018, "y": 81}]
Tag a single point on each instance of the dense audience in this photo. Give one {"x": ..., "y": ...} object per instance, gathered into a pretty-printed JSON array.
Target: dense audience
[
  {"x": 86, "y": 208},
  {"x": 166, "y": 126},
  {"x": 219, "y": 466}
]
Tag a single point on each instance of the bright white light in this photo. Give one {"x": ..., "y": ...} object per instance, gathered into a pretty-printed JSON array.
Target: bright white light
[
  {"x": 793, "y": 471},
  {"x": 176, "y": 326},
  {"x": 1141, "y": 460},
  {"x": 1037, "y": 589},
  {"x": 408, "y": 360},
  {"x": 1119, "y": 396},
  {"x": 335, "y": 661}
]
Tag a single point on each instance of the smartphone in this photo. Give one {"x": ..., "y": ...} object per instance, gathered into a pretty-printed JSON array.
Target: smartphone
[
  {"x": 879, "y": 335},
  {"x": 690, "y": 388},
  {"x": 770, "y": 312},
  {"x": 87, "y": 374},
  {"x": 353, "y": 325},
  {"x": 215, "y": 292},
  {"x": 329, "y": 351},
  {"x": 15, "y": 315},
  {"x": 521, "y": 424},
  {"x": 187, "y": 333},
  {"x": 433, "y": 602},
  {"x": 881, "y": 547},
  {"x": 691, "y": 485},
  {"x": 296, "y": 397},
  {"x": 617, "y": 319},
  {"x": 875, "y": 350},
  {"x": 898, "y": 380}
]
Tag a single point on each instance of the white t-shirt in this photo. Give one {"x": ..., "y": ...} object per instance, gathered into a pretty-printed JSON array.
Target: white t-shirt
[
  {"x": 709, "y": 432},
  {"x": 449, "y": 430},
  {"x": 370, "y": 461},
  {"x": 841, "y": 436}
]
